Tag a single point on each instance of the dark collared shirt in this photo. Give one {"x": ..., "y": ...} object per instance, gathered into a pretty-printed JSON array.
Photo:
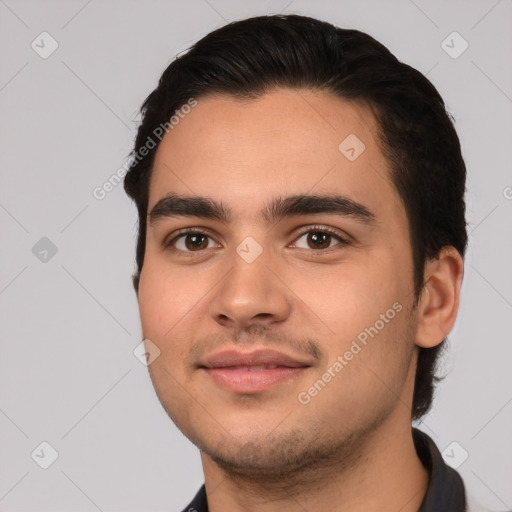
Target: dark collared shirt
[{"x": 445, "y": 492}]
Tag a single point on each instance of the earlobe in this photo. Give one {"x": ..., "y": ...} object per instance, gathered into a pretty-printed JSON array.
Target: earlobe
[{"x": 440, "y": 297}]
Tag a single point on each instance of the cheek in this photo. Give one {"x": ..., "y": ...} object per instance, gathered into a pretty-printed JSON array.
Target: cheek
[
  {"x": 351, "y": 297},
  {"x": 365, "y": 371},
  {"x": 362, "y": 310},
  {"x": 165, "y": 298}
]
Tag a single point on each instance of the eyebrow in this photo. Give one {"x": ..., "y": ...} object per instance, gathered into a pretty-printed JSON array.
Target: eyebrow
[{"x": 174, "y": 205}]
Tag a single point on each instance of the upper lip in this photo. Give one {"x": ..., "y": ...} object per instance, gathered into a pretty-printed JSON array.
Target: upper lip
[{"x": 227, "y": 358}]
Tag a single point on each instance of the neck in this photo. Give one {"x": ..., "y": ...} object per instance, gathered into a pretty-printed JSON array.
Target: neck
[{"x": 384, "y": 473}]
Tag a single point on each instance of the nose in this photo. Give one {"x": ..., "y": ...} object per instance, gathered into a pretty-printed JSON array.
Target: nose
[{"x": 251, "y": 294}]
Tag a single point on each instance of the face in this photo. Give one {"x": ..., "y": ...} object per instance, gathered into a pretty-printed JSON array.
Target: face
[{"x": 277, "y": 280}]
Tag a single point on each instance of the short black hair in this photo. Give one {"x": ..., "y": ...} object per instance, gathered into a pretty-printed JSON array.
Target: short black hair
[{"x": 247, "y": 58}]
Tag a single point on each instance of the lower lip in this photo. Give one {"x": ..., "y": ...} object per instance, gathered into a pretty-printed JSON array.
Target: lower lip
[{"x": 252, "y": 381}]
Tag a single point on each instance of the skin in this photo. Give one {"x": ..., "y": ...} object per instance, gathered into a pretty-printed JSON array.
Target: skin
[{"x": 350, "y": 447}]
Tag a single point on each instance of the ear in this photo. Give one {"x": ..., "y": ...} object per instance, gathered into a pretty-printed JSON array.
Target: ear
[{"x": 439, "y": 299}]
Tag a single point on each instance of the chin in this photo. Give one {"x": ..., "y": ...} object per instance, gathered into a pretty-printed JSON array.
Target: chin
[{"x": 264, "y": 455}]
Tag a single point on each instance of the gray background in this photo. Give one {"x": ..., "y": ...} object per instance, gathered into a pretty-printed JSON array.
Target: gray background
[{"x": 68, "y": 375}]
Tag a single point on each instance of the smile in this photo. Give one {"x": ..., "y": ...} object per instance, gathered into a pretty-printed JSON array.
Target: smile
[{"x": 252, "y": 372}]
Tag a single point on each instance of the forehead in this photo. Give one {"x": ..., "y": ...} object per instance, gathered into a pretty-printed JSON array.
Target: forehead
[{"x": 285, "y": 142}]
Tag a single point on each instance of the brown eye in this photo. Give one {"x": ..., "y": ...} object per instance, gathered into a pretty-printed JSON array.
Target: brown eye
[
  {"x": 192, "y": 242},
  {"x": 319, "y": 239}
]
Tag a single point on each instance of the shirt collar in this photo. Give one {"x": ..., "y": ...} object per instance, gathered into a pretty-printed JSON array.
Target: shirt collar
[{"x": 445, "y": 492}]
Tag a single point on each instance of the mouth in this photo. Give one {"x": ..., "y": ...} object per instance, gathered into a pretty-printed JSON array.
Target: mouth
[{"x": 252, "y": 372}]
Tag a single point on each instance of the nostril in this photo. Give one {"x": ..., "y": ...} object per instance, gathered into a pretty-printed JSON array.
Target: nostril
[
  {"x": 224, "y": 320},
  {"x": 263, "y": 315}
]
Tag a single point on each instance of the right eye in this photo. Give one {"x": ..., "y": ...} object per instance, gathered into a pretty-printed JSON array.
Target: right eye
[{"x": 192, "y": 241}]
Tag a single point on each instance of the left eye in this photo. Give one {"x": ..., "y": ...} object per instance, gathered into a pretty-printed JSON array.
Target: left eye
[
  {"x": 192, "y": 242},
  {"x": 318, "y": 240}
]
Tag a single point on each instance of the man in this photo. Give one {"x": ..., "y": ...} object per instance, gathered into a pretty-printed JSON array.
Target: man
[{"x": 300, "y": 258}]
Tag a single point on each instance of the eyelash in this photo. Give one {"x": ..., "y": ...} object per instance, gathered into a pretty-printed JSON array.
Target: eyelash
[{"x": 311, "y": 229}]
